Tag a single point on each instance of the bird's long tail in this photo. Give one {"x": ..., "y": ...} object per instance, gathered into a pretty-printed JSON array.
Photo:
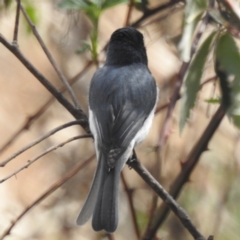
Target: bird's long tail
[
  {"x": 89, "y": 205},
  {"x": 105, "y": 215},
  {"x": 102, "y": 200}
]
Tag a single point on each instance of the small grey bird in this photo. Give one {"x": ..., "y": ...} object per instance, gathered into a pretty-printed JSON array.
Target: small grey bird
[{"x": 122, "y": 100}]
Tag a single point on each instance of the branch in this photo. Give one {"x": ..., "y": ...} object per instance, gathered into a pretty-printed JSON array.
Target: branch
[
  {"x": 53, "y": 131},
  {"x": 129, "y": 12},
  {"x": 77, "y": 113},
  {"x": 153, "y": 11},
  {"x": 187, "y": 168},
  {"x": 164, "y": 134},
  {"x": 30, "y": 161},
  {"x": 166, "y": 197},
  {"x": 110, "y": 236},
  {"x": 129, "y": 193},
  {"x": 15, "y": 33},
  {"x": 30, "y": 119},
  {"x": 50, "y": 58},
  {"x": 54, "y": 187}
]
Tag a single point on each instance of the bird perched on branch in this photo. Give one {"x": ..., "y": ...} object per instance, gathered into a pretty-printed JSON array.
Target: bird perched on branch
[{"x": 122, "y": 100}]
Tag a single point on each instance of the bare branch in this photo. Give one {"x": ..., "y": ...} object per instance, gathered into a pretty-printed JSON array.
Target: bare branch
[
  {"x": 187, "y": 168},
  {"x": 110, "y": 236},
  {"x": 129, "y": 12},
  {"x": 30, "y": 119},
  {"x": 164, "y": 134},
  {"x": 50, "y": 58},
  {"x": 167, "y": 198},
  {"x": 30, "y": 161},
  {"x": 129, "y": 193},
  {"x": 150, "y": 12},
  {"x": 53, "y": 131},
  {"x": 15, "y": 34},
  {"x": 54, "y": 187},
  {"x": 77, "y": 113}
]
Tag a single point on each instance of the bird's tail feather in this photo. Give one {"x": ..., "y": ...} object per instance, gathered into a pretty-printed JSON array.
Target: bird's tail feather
[
  {"x": 105, "y": 214},
  {"x": 90, "y": 202}
]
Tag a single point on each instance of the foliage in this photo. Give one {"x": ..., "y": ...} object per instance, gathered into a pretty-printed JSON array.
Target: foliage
[
  {"x": 193, "y": 79},
  {"x": 93, "y": 9},
  {"x": 193, "y": 12},
  {"x": 227, "y": 60},
  {"x": 228, "y": 63}
]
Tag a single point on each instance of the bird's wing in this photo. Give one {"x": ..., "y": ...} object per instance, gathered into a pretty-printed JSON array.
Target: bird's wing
[{"x": 121, "y": 99}]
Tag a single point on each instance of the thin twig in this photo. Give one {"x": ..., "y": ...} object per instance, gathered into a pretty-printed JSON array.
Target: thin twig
[
  {"x": 187, "y": 168},
  {"x": 30, "y": 161},
  {"x": 164, "y": 134},
  {"x": 165, "y": 105},
  {"x": 129, "y": 193},
  {"x": 77, "y": 113},
  {"x": 129, "y": 12},
  {"x": 110, "y": 236},
  {"x": 150, "y": 12},
  {"x": 30, "y": 119},
  {"x": 54, "y": 187},
  {"x": 15, "y": 34},
  {"x": 53, "y": 131},
  {"x": 167, "y": 198},
  {"x": 50, "y": 58}
]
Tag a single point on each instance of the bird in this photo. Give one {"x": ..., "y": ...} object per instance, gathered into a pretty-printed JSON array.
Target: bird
[{"x": 122, "y": 98}]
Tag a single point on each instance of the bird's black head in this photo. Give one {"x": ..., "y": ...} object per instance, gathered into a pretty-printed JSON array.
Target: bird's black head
[{"x": 126, "y": 46}]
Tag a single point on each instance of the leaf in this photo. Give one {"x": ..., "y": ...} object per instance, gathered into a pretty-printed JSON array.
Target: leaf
[
  {"x": 193, "y": 78},
  {"x": 213, "y": 100},
  {"x": 112, "y": 3},
  {"x": 228, "y": 64},
  {"x": 194, "y": 11}
]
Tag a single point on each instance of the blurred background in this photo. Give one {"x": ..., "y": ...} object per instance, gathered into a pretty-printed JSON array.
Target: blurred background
[{"x": 211, "y": 197}]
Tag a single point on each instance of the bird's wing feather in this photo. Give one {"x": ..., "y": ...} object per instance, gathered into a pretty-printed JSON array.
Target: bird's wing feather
[{"x": 122, "y": 103}]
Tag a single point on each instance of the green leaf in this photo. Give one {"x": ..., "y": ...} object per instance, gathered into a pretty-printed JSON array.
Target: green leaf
[
  {"x": 213, "y": 100},
  {"x": 194, "y": 11},
  {"x": 228, "y": 69},
  {"x": 193, "y": 78},
  {"x": 236, "y": 120},
  {"x": 112, "y": 3}
]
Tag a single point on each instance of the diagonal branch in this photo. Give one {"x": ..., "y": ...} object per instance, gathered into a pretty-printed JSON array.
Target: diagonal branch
[
  {"x": 150, "y": 12},
  {"x": 164, "y": 134},
  {"x": 15, "y": 33},
  {"x": 54, "y": 187},
  {"x": 129, "y": 193},
  {"x": 167, "y": 198},
  {"x": 187, "y": 169},
  {"x": 30, "y": 161},
  {"x": 77, "y": 113},
  {"x": 50, "y": 58},
  {"x": 53, "y": 131},
  {"x": 30, "y": 119}
]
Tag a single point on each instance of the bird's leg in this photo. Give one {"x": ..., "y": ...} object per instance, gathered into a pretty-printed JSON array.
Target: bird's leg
[{"x": 132, "y": 159}]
